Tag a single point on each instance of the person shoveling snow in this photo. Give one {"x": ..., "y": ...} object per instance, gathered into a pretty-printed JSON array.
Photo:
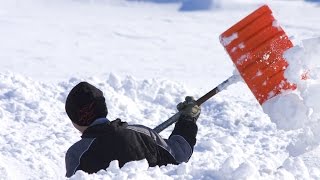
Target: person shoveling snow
[{"x": 104, "y": 141}]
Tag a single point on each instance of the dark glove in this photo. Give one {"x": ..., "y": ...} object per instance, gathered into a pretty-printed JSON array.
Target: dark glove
[{"x": 189, "y": 109}]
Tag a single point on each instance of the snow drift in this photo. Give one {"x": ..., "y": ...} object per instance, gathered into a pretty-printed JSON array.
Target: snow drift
[
  {"x": 300, "y": 109},
  {"x": 49, "y": 46},
  {"x": 233, "y": 140}
]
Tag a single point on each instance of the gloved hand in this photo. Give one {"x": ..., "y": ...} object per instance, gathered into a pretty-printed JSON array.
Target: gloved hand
[{"x": 189, "y": 109}]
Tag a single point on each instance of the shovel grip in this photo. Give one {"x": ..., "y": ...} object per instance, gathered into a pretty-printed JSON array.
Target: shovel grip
[{"x": 200, "y": 101}]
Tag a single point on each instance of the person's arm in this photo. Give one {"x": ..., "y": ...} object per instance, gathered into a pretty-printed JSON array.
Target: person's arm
[
  {"x": 187, "y": 129},
  {"x": 183, "y": 138}
]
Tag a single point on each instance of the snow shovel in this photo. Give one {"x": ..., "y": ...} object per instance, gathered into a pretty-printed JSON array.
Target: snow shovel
[{"x": 255, "y": 45}]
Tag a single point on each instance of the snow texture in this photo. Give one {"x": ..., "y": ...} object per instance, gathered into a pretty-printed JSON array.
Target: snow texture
[
  {"x": 300, "y": 109},
  {"x": 227, "y": 40},
  {"x": 146, "y": 57}
]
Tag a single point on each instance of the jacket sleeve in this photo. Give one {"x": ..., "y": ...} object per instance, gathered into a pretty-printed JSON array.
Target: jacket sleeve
[
  {"x": 182, "y": 140},
  {"x": 179, "y": 146},
  {"x": 187, "y": 129}
]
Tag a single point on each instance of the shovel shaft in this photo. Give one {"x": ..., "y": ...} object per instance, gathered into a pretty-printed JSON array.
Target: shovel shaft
[
  {"x": 200, "y": 101},
  {"x": 217, "y": 89}
]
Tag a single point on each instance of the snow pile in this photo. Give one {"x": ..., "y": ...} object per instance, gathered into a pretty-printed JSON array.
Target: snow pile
[
  {"x": 233, "y": 142},
  {"x": 32, "y": 128},
  {"x": 300, "y": 109},
  {"x": 55, "y": 41},
  {"x": 131, "y": 170},
  {"x": 36, "y": 131}
]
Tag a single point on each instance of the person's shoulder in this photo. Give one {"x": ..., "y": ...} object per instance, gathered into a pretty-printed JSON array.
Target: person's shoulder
[
  {"x": 141, "y": 129},
  {"x": 118, "y": 123},
  {"x": 79, "y": 147},
  {"x": 74, "y": 154}
]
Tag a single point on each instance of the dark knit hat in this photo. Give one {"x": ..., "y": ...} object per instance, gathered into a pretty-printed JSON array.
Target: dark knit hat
[{"x": 85, "y": 103}]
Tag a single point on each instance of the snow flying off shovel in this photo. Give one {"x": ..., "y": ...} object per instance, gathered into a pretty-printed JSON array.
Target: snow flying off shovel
[{"x": 255, "y": 45}]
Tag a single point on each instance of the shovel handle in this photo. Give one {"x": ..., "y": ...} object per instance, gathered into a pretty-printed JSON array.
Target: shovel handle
[{"x": 200, "y": 101}]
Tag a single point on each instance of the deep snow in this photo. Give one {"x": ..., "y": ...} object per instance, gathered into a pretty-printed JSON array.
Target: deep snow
[{"x": 146, "y": 58}]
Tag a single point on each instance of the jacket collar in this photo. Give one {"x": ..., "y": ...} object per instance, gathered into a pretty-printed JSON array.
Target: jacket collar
[{"x": 99, "y": 121}]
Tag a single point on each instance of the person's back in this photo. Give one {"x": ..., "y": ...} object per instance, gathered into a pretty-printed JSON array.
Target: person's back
[{"x": 103, "y": 141}]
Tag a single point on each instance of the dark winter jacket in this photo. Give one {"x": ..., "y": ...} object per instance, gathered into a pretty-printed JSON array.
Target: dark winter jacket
[{"x": 116, "y": 140}]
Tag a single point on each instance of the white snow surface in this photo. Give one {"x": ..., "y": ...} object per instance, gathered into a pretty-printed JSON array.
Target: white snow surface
[{"x": 146, "y": 57}]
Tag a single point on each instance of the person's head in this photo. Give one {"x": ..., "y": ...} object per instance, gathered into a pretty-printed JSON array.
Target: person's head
[{"x": 85, "y": 103}]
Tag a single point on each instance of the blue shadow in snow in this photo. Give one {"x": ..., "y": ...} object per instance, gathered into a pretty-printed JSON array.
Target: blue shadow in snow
[
  {"x": 159, "y": 1},
  {"x": 312, "y": 1},
  {"x": 196, "y": 5},
  {"x": 186, "y": 5}
]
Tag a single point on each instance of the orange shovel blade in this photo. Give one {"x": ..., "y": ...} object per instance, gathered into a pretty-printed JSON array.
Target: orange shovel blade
[{"x": 256, "y": 45}]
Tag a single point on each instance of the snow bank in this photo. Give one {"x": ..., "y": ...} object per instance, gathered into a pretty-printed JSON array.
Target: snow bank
[
  {"x": 234, "y": 141},
  {"x": 32, "y": 128},
  {"x": 36, "y": 131},
  {"x": 132, "y": 170},
  {"x": 300, "y": 109}
]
